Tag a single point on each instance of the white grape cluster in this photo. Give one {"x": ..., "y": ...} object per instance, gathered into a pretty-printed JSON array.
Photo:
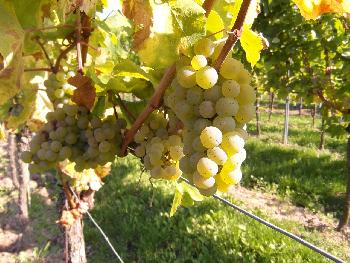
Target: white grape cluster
[
  {"x": 213, "y": 109},
  {"x": 73, "y": 133},
  {"x": 159, "y": 149}
]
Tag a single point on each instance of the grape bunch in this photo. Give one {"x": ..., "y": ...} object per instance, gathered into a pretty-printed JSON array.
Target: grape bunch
[
  {"x": 159, "y": 149},
  {"x": 213, "y": 109},
  {"x": 58, "y": 90},
  {"x": 73, "y": 133}
]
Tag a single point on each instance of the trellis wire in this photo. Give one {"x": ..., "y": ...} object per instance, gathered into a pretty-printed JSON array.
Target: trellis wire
[
  {"x": 276, "y": 228},
  {"x": 100, "y": 229}
]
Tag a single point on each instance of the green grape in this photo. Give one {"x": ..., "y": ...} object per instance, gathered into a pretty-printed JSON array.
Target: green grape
[
  {"x": 206, "y": 77},
  {"x": 157, "y": 172},
  {"x": 140, "y": 151},
  {"x": 88, "y": 133},
  {"x": 51, "y": 156},
  {"x": 156, "y": 140},
  {"x": 217, "y": 51},
  {"x": 245, "y": 113},
  {"x": 56, "y": 146},
  {"x": 242, "y": 132},
  {"x": 170, "y": 171},
  {"x": 170, "y": 100},
  {"x": 108, "y": 133},
  {"x": 230, "y": 68},
  {"x": 204, "y": 47},
  {"x": 197, "y": 145},
  {"x": 226, "y": 106},
  {"x": 26, "y": 156},
  {"x": 139, "y": 137},
  {"x": 121, "y": 123},
  {"x": 203, "y": 182},
  {"x": 194, "y": 159},
  {"x": 59, "y": 93},
  {"x": 185, "y": 165},
  {"x": 183, "y": 110},
  {"x": 213, "y": 94},
  {"x": 230, "y": 88},
  {"x": 238, "y": 158},
  {"x": 209, "y": 191},
  {"x": 145, "y": 130},
  {"x": 200, "y": 124},
  {"x": 71, "y": 138},
  {"x": 232, "y": 143},
  {"x": 198, "y": 62},
  {"x": 179, "y": 92},
  {"x": 155, "y": 160},
  {"x": 218, "y": 155},
  {"x": 48, "y": 127},
  {"x": 96, "y": 122},
  {"x": 207, "y": 109},
  {"x": 244, "y": 77},
  {"x": 187, "y": 149},
  {"x": 65, "y": 153},
  {"x": 60, "y": 76},
  {"x": 174, "y": 140},
  {"x": 182, "y": 61},
  {"x": 83, "y": 123},
  {"x": 82, "y": 110},
  {"x": 70, "y": 110},
  {"x": 61, "y": 132},
  {"x": 50, "y": 116},
  {"x": 99, "y": 135},
  {"x": 93, "y": 151},
  {"x": 92, "y": 142},
  {"x": 34, "y": 146},
  {"x": 70, "y": 120},
  {"x": 207, "y": 167},
  {"x": 45, "y": 145},
  {"x": 194, "y": 96},
  {"x": 247, "y": 95},
  {"x": 224, "y": 123},
  {"x": 234, "y": 177},
  {"x": 186, "y": 76},
  {"x": 211, "y": 137},
  {"x": 104, "y": 146},
  {"x": 162, "y": 133}
]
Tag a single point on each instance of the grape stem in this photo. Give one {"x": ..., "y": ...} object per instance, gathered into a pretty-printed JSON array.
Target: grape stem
[
  {"x": 232, "y": 38},
  {"x": 125, "y": 108},
  {"x": 45, "y": 52},
  {"x": 156, "y": 100}
]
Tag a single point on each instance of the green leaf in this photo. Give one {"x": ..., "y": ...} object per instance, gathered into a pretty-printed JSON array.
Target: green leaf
[
  {"x": 177, "y": 200},
  {"x": 127, "y": 68},
  {"x": 192, "y": 191},
  {"x": 252, "y": 44},
  {"x": 100, "y": 106}
]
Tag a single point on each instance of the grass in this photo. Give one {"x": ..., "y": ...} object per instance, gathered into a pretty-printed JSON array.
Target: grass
[
  {"x": 307, "y": 176},
  {"x": 135, "y": 215}
]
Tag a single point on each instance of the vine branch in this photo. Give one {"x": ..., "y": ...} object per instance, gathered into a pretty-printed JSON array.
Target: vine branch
[
  {"x": 45, "y": 52},
  {"x": 125, "y": 108},
  {"x": 78, "y": 42}
]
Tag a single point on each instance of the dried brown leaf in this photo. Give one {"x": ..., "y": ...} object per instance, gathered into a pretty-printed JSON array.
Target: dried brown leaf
[{"x": 85, "y": 93}]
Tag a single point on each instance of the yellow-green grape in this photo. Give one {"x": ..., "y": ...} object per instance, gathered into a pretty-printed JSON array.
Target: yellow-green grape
[
  {"x": 172, "y": 172},
  {"x": 244, "y": 77},
  {"x": 176, "y": 152},
  {"x": 217, "y": 51},
  {"x": 204, "y": 47},
  {"x": 140, "y": 151},
  {"x": 206, "y": 77},
  {"x": 238, "y": 158},
  {"x": 224, "y": 123},
  {"x": 246, "y": 95},
  {"x": 186, "y": 76},
  {"x": 232, "y": 143},
  {"x": 198, "y": 62},
  {"x": 197, "y": 145},
  {"x": 207, "y": 167},
  {"x": 203, "y": 182},
  {"x": 230, "y": 88},
  {"x": 60, "y": 76},
  {"x": 211, "y": 137},
  {"x": 207, "y": 109},
  {"x": 26, "y": 156},
  {"x": 230, "y": 68},
  {"x": 245, "y": 113},
  {"x": 233, "y": 177},
  {"x": 213, "y": 94},
  {"x": 218, "y": 155},
  {"x": 200, "y": 124},
  {"x": 226, "y": 106},
  {"x": 174, "y": 140},
  {"x": 221, "y": 185},
  {"x": 182, "y": 62},
  {"x": 241, "y": 132},
  {"x": 157, "y": 172},
  {"x": 194, "y": 96}
]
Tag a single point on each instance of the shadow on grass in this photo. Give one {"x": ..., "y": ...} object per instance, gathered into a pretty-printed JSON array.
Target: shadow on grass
[{"x": 317, "y": 182}]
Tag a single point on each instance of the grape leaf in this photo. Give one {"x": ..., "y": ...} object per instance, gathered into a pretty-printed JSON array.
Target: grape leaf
[
  {"x": 85, "y": 93},
  {"x": 140, "y": 12},
  {"x": 252, "y": 13},
  {"x": 312, "y": 9},
  {"x": 215, "y": 24},
  {"x": 252, "y": 44},
  {"x": 177, "y": 200}
]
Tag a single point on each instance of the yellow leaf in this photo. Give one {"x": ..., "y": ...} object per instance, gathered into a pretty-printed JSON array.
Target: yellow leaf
[
  {"x": 176, "y": 202},
  {"x": 252, "y": 13},
  {"x": 311, "y": 9},
  {"x": 215, "y": 24},
  {"x": 252, "y": 44}
]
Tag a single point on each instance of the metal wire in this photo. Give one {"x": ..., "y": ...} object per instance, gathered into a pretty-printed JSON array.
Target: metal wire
[
  {"x": 276, "y": 228},
  {"x": 99, "y": 228}
]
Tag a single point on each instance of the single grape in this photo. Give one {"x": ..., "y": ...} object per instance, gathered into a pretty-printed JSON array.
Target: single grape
[
  {"x": 198, "y": 62},
  {"x": 245, "y": 113},
  {"x": 211, "y": 137},
  {"x": 194, "y": 159},
  {"x": 194, "y": 96},
  {"x": 71, "y": 138},
  {"x": 230, "y": 68},
  {"x": 45, "y": 145},
  {"x": 224, "y": 123},
  {"x": 104, "y": 146},
  {"x": 140, "y": 151},
  {"x": 96, "y": 122},
  {"x": 206, "y": 77},
  {"x": 51, "y": 156},
  {"x": 83, "y": 123},
  {"x": 157, "y": 172},
  {"x": 197, "y": 145},
  {"x": 70, "y": 110},
  {"x": 26, "y": 156},
  {"x": 233, "y": 177},
  {"x": 247, "y": 95},
  {"x": 99, "y": 135},
  {"x": 244, "y": 77},
  {"x": 213, "y": 94},
  {"x": 230, "y": 88},
  {"x": 199, "y": 125},
  {"x": 65, "y": 153},
  {"x": 232, "y": 143},
  {"x": 108, "y": 133},
  {"x": 218, "y": 155},
  {"x": 70, "y": 120},
  {"x": 93, "y": 151},
  {"x": 185, "y": 165},
  {"x": 174, "y": 140},
  {"x": 60, "y": 76},
  {"x": 56, "y": 146},
  {"x": 203, "y": 182},
  {"x": 207, "y": 167},
  {"x": 204, "y": 47},
  {"x": 207, "y": 109},
  {"x": 186, "y": 76}
]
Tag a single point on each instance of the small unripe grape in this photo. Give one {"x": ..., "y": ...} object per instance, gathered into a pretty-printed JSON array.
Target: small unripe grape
[
  {"x": 26, "y": 156},
  {"x": 206, "y": 77},
  {"x": 230, "y": 88},
  {"x": 204, "y": 47},
  {"x": 174, "y": 140},
  {"x": 211, "y": 137},
  {"x": 198, "y": 62},
  {"x": 60, "y": 76},
  {"x": 186, "y": 76},
  {"x": 207, "y": 109}
]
